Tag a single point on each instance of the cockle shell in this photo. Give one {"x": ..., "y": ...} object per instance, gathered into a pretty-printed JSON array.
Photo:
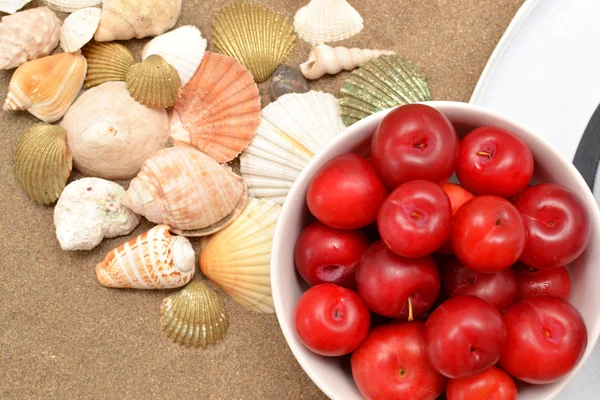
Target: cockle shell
[
  {"x": 27, "y": 35},
  {"x": 238, "y": 258},
  {"x": 153, "y": 82},
  {"x": 183, "y": 48},
  {"x": 195, "y": 316},
  {"x": 69, "y": 6},
  {"x": 153, "y": 260},
  {"x": 325, "y": 59},
  {"x": 291, "y": 131},
  {"x": 323, "y": 21},
  {"x": 46, "y": 87},
  {"x": 110, "y": 134},
  {"x": 383, "y": 82},
  {"x": 187, "y": 190},
  {"x": 106, "y": 62},
  {"x": 127, "y": 19},
  {"x": 89, "y": 210},
  {"x": 257, "y": 37},
  {"x": 43, "y": 162},
  {"x": 78, "y": 28},
  {"x": 218, "y": 110},
  {"x": 12, "y": 6}
]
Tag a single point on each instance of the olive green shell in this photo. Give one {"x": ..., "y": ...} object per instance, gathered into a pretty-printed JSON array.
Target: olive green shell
[{"x": 154, "y": 82}]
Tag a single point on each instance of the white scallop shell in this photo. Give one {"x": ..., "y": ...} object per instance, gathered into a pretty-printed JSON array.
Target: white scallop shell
[
  {"x": 79, "y": 28},
  {"x": 183, "y": 48},
  {"x": 291, "y": 131},
  {"x": 323, "y": 21},
  {"x": 71, "y": 5},
  {"x": 12, "y": 6}
]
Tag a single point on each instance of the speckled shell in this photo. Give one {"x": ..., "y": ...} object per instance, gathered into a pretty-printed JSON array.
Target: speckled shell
[
  {"x": 71, "y": 5},
  {"x": 323, "y": 21},
  {"x": 287, "y": 79},
  {"x": 153, "y": 82},
  {"x": 187, "y": 190},
  {"x": 78, "y": 28},
  {"x": 195, "y": 316},
  {"x": 106, "y": 62},
  {"x": 11, "y": 6},
  {"x": 89, "y": 210}
]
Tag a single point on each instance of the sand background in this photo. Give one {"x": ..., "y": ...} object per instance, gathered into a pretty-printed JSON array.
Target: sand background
[{"x": 64, "y": 336}]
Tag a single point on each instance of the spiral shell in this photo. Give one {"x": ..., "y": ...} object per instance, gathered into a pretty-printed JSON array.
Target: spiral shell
[{"x": 154, "y": 82}]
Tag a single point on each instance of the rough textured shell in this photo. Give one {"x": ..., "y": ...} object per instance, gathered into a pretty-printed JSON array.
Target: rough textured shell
[
  {"x": 153, "y": 82},
  {"x": 183, "y": 48},
  {"x": 195, "y": 316},
  {"x": 384, "y": 82},
  {"x": 110, "y": 134},
  {"x": 238, "y": 258},
  {"x": 323, "y": 21},
  {"x": 292, "y": 130},
  {"x": 126, "y": 19},
  {"x": 11, "y": 6},
  {"x": 27, "y": 35},
  {"x": 153, "y": 260},
  {"x": 257, "y": 37},
  {"x": 187, "y": 190},
  {"x": 89, "y": 210},
  {"x": 218, "y": 110},
  {"x": 106, "y": 62},
  {"x": 78, "y": 28},
  {"x": 71, "y": 5},
  {"x": 43, "y": 162},
  {"x": 46, "y": 87}
]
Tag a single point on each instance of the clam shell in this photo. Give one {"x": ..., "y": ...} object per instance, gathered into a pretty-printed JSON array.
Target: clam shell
[
  {"x": 257, "y": 37},
  {"x": 183, "y": 48},
  {"x": 153, "y": 82},
  {"x": 12, "y": 6},
  {"x": 218, "y": 110},
  {"x": 291, "y": 131},
  {"x": 195, "y": 316},
  {"x": 43, "y": 162},
  {"x": 153, "y": 260},
  {"x": 187, "y": 190},
  {"x": 238, "y": 258},
  {"x": 384, "y": 82},
  {"x": 46, "y": 87},
  {"x": 70, "y": 6},
  {"x": 78, "y": 28},
  {"x": 323, "y": 21},
  {"x": 106, "y": 62}
]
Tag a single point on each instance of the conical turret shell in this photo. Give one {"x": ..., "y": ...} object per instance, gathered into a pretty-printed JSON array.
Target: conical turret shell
[
  {"x": 12, "y": 6},
  {"x": 106, "y": 62},
  {"x": 323, "y": 21},
  {"x": 71, "y": 5},
  {"x": 153, "y": 82},
  {"x": 78, "y": 28},
  {"x": 153, "y": 260}
]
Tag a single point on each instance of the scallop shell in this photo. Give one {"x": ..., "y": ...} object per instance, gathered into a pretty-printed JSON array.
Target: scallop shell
[
  {"x": 187, "y": 190},
  {"x": 257, "y": 37},
  {"x": 292, "y": 130},
  {"x": 195, "y": 316},
  {"x": 106, "y": 62},
  {"x": 384, "y": 82},
  {"x": 153, "y": 82},
  {"x": 218, "y": 110},
  {"x": 238, "y": 258},
  {"x": 46, "y": 87},
  {"x": 12, "y": 6},
  {"x": 183, "y": 48},
  {"x": 69, "y": 6},
  {"x": 153, "y": 260},
  {"x": 43, "y": 162},
  {"x": 323, "y": 21},
  {"x": 78, "y": 28}
]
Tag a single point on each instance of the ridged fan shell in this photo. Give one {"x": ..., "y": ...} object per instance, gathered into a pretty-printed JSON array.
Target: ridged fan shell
[
  {"x": 78, "y": 28},
  {"x": 106, "y": 62},
  {"x": 69, "y": 6},
  {"x": 323, "y": 21},
  {"x": 154, "y": 82}
]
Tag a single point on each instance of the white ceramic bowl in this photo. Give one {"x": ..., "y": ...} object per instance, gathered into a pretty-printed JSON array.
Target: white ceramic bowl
[{"x": 333, "y": 375}]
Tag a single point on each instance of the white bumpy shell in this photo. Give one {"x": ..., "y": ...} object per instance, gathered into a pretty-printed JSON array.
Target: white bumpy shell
[
  {"x": 323, "y": 21},
  {"x": 78, "y": 28}
]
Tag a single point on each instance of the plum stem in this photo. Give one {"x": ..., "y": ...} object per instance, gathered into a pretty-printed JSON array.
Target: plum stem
[{"x": 410, "y": 311}]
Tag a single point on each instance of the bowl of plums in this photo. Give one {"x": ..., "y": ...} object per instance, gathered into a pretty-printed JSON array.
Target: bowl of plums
[{"x": 438, "y": 250}]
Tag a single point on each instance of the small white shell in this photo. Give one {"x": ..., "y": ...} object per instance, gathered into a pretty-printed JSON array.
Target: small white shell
[
  {"x": 323, "y": 21},
  {"x": 78, "y": 28},
  {"x": 183, "y": 48},
  {"x": 12, "y": 6},
  {"x": 71, "y": 5}
]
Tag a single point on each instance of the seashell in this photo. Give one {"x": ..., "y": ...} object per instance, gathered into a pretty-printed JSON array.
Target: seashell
[
  {"x": 70, "y": 6},
  {"x": 218, "y": 110},
  {"x": 384, "y": 82},
  {"x": 127, "y": 19},
  {"x": 110, "y": 134},
  {"x": 27, "y": 35},
  {"x": 187, "y": 190},
  {"x": 153, "y": 260},
  {"x": 78, "y": 28},
  {"x": 237, "y": 259},
  {"x": 323, "y": 21},
  {"x": 43, "y": 162},
  {"x": 47, "y": 86},
  {"x": 287, "y": 79},
  {"x": 183, "y": 48},
  {"x": 12, "y": 6},
  {"x": 291, "y": 131},
  {"x": 325, "y": 59},
  {"x": 195, "y": 316},
  {"x": 257, "y": 37},
  {"x": 106, "y": 62},
  {"x": 153, "y": 82}
]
